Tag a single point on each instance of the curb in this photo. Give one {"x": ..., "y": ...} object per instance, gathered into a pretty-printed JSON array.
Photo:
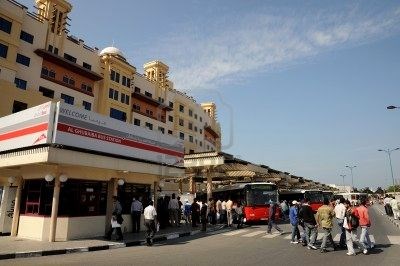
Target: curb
[{"x": 40, "y": 253}]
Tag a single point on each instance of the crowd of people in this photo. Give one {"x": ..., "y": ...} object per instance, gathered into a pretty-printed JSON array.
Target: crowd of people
[
  {"x": 348, "y": 218},
  {"x": 392, "y": 207}
]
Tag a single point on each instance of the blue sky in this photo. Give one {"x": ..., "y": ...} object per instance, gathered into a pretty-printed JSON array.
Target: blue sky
[{"x": 301, "y": 86}]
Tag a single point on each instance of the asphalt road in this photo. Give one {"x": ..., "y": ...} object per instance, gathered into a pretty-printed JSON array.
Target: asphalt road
[{"x": 247, "y": 246}]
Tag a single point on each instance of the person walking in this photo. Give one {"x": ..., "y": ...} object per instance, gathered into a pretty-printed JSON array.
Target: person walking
[
  {"x": 294, "y": 221},
  {"x": 203, "y": 215},
  {"x": 173, "y": 208},
  {"x": 365, "y": 223},
  {"x": 340, "y": 212},
  {"x": 116, "y": 220},
  {"x": 195, "y": 208},
  {"x": 150, "y": 216},
  {"x": 285, "y": 210},
  {"x": 325, "y": 215},
  {"x": 388, "y": 208},
  {"x": 187, "y": 211},
  {"x": 218, "y": 209},
  {"x": 350, "y": 225},
  {"x": 229, "y": 205},
  {"x": 394, "y": 204},
  {"x": 310, "y": 224},
  {"x": 223, "y": 212},
  {"x": 179, "y": 210},
  {"x": 136, "y": 214},
  {"x": 271, "y": 218}
]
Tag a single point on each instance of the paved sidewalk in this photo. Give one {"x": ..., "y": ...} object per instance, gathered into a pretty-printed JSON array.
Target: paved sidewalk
[
  {"x": 15, "y": 247},
  {"x": 381, "y": 209}
]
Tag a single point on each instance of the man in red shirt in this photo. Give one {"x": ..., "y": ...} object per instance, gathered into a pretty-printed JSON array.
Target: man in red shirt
[{"x": 362, "y": 213}]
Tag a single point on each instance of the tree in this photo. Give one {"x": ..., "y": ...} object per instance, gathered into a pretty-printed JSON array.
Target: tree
[
  {"x": 367, "y": 190},
  {"x": 379, "y": 190},
  {"x": 391, "y": 188}
]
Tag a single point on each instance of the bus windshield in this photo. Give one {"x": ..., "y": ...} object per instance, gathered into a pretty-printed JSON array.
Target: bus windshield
[
  {"x": 261, "y": 194},
  {"x": 314, "y": 196}
]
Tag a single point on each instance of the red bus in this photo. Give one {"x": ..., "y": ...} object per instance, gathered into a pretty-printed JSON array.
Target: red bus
[
  {"x": 316, "y": 197},
  {"x": 254, "y": 197}
]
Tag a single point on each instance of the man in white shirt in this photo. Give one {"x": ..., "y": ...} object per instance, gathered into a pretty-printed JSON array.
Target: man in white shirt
[
  {"x": 136, "y": 214},
  {"x": 150, "y": 216},
  {"x": 395, "y": 207},
  {"x": 340, "y": 212},
  {"x": 218, "y": 207},
  {"x": 229, "y": 205}
]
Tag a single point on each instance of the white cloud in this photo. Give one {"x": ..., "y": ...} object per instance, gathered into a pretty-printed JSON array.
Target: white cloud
[{"x": 237, "y": 47}]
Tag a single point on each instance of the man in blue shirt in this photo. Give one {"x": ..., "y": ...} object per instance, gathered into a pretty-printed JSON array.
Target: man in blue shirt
[{"x": 294, "y": 221}]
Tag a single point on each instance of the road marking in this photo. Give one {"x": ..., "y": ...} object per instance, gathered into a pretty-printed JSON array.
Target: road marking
[
  {"x": 394, "y": 240},
  {"x": 270, "y": 235},
  {"x": 236, "y": 232},
  {"x": 254, "y": 233}
]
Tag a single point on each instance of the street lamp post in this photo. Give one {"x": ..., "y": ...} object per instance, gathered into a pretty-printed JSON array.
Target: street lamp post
[
  {"x": 352, "y": 177},
  {"x": 388, "y": 151},
  {"x": 343, "y": 181}
]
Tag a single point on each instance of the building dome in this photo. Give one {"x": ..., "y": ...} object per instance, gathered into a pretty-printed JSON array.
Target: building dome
[{"x": 112, "y": 51}]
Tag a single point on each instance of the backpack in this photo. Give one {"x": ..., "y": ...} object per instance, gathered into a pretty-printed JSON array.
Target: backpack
[{"x": 354, "y": 221}]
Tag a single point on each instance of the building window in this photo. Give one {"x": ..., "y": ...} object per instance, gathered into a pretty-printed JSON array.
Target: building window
[
  {"x": 161, "y": 129},
  {"x": 5, "y": 25},
  {"x": 190, "y": 112},
  {"x": 148, "y": 94},
  {"x": 23, "y": 60},
  {"x": 87, "y": 88},
  {"x": 124, "y": 98},
  {"x": 190, "y": 138},
  {"x": 45, "y": 71},
  {"x": 136, "y": 122},
  {"x": 50, "y": 49},
  {"x": 201, "y": 119},
  {"x": 170, "y": 118},
  {"x": 113, "y": 94},
  {"x": 69, "y": 57},
  {"x": 201, "y": 144},
  {"x": 181, "y": 123},
  {"x": 20, "y": 83},
  {"x": 137, "y": 89},
  {"x": 195, "y": 116},
  {"x": 195, "y": 128},
  {"x": 55, "y": 50},
  {"x": 65, "y": 79},
  {"x": 149, "y": 112},
  {"x": 117, "y": 114},
  {"x": 181, "y": 108},
  {"x": 37, "y": 197},
  {"x": 67, "y": 99},
  {"x": 169, "y": 132},
  {"x": 52, "y": 74},
  {"x": 87, "y": 66},
  {"x": 46, "y": 92},
  {"x": 123, "y": 80},
  {"x": 136, "y": 107},
  {"x": 201, "y": 131},
  {"x": 171, "y": 104},
  {"x": 26, "y": 36},
  {"x": 181, "y": 135},
  {"x": 149, "y": 125},
  {"x": 71, "y": 82},
  {"x": 19, "y": 106},
  {"x": 87, "y": 105},
  {"x": 190, "y": 126},
  {"x": 114, "y": 76},
  {"x": 3, "y": 50}
]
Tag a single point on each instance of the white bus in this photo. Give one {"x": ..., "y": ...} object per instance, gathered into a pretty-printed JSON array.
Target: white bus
[{"x": 354, "y": 197}]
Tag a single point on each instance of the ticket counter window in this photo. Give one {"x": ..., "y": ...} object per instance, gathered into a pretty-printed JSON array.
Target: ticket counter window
[
  {"x": 127, "y": 191},
  {"x": 37, "y": 196},
  {"x": 83, "y": 198}
]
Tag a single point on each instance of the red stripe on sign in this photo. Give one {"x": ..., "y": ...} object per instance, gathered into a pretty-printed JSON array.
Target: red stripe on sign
[
  {"x": 24, "y": 131},
  {"x": 117, "y": 140}
]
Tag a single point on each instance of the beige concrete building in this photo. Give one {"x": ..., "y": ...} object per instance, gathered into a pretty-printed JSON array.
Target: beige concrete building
[{"x": 40, "y": 61}]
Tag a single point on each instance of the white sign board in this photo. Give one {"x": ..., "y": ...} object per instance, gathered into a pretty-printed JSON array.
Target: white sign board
[
  {"x": 7, "y": 209},
  {"x": 27, "y": 128},
  {"x": 77, "y": 127}
]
